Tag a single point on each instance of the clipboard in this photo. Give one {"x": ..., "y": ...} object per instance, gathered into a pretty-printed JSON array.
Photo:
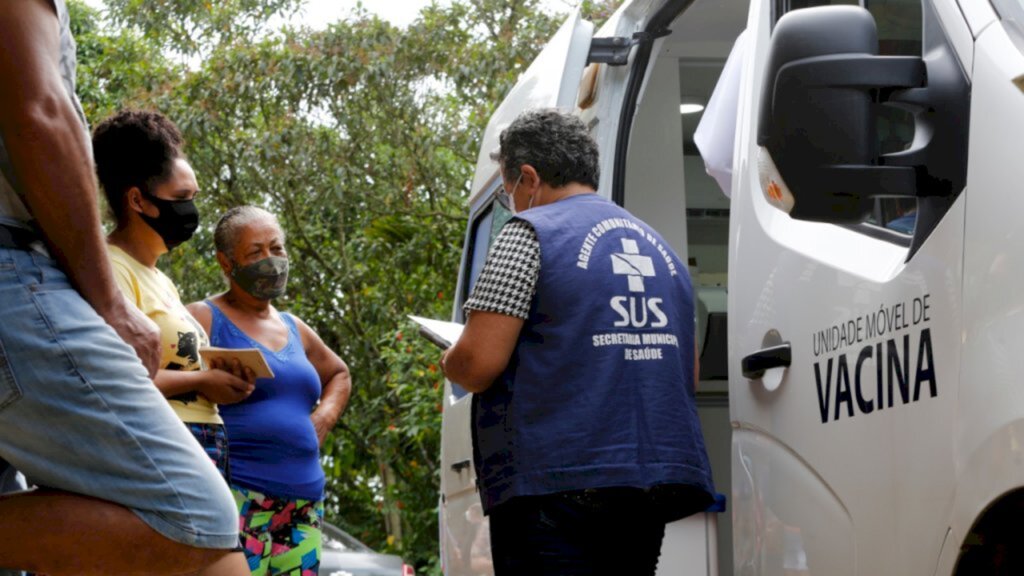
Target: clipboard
[
  {"x": 251, "y": 358},
  {"x": 442, "y": 334}
]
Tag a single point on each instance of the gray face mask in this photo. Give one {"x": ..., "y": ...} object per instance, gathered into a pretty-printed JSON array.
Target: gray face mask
[{"x": 265, "y": 279}]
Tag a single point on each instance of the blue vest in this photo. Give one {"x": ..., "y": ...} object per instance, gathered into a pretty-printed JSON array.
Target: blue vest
[{"x": 599, "y": 390}]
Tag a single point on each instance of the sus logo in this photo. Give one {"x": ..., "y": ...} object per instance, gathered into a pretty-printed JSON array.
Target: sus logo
[{"x": 633, "y": 310}]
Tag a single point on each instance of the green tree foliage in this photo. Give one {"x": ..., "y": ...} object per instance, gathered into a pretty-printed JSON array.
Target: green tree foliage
[
  {"x": 362, "y": 138},
  {"x": 115, "y": 69},
  {"x": 598, "y": 11}
]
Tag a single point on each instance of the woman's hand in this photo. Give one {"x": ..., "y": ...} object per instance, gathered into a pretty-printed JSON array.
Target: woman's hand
[{"x": 227, "y": 382}]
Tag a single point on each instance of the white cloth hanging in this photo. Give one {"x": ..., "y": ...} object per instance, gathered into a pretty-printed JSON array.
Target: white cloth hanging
[{"x": 716, "y": 133}]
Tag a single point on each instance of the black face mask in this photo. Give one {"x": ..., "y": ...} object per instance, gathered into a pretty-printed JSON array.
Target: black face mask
[{"x": 177, "y": 221}]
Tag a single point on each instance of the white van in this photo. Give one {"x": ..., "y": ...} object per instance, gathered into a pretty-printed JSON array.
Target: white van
[{"x": 858, "y": 315}]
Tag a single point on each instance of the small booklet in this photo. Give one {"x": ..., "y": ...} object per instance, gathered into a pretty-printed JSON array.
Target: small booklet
[
  {"x": 251, "y": 358},
  {"x": 442, "y": 334}
]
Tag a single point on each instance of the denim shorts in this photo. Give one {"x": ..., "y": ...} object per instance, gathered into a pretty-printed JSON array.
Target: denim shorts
[{"x": 79, "y": 413}]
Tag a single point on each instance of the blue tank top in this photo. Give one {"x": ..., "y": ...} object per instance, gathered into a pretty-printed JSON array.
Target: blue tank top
[
  {"x": 599, "y": 389},
  {"x": 272, "y": 444}
]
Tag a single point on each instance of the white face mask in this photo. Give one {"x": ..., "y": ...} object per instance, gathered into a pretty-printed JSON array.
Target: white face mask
[
  {"x": 772, "y": 185},
  {"x": 507, "y": 199}
]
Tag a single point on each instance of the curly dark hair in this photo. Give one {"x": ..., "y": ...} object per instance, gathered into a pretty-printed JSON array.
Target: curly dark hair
[
  {"x": 134, "y": 148},
  {"x": 556, "y": 144}
]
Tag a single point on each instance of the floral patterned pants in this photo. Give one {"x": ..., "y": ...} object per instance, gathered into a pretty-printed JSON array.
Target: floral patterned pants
[{"x": 280, "y": 536}]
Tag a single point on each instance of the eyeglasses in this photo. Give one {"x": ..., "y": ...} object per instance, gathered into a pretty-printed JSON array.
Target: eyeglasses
[{"x": 503, "y": 198}]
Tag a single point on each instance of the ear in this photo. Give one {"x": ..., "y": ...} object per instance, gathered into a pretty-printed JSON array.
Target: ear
[
  {"x": 225, "y": 263},
  {"x": 530, "y": 182},
  {"x": 133, "y": 199}
]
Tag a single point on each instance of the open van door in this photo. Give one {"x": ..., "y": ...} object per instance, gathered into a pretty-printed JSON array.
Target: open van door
[{"x": 551, "y": 81}]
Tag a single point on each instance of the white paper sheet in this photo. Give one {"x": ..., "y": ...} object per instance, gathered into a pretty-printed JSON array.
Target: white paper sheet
[{"x": 442, "y": 334}]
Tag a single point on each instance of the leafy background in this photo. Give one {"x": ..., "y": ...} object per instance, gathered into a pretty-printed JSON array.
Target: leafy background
[{"x": 362, "y": 138}]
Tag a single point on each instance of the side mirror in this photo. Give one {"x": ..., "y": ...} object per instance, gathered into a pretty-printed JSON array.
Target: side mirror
[{"x": 823, "y": 85}]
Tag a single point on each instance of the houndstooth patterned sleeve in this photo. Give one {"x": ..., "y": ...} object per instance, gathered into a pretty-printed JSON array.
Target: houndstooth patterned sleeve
[{"x": 509, "y": 278}]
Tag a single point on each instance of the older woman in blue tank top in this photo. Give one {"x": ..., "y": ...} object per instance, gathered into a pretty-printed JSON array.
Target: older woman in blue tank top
[{"x": 276, "y": 433}]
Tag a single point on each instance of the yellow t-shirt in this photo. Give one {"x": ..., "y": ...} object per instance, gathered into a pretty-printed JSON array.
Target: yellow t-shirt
[{"x": 180, "y": 335}]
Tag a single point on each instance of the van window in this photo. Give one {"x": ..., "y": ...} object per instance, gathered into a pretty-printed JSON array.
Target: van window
[
  {"x": 486, "y": 225},
  {"x": 899, "y": 21},
  {"x": 481, "y": 239},
  {"x": 899, "y": 34},
  {"x": 780, "y": 7}
]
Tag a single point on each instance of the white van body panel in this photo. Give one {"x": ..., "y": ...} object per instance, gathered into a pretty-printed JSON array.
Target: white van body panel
[
  {"x": 978, "y": 13},
  {"x": 950, "y": 553},
  {"x": 871, "y": 494},
  {"x": 958, "y": 32},
  {"x": 990, "y": 436}
]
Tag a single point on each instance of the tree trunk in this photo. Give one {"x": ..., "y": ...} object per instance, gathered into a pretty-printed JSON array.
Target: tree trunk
[{"x": 392, "y": 515}]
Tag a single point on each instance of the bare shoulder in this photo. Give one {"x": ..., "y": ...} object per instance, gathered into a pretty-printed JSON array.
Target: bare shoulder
[
  {"x": 202, "y": 313},
  {"x": 309, "y": 336}
]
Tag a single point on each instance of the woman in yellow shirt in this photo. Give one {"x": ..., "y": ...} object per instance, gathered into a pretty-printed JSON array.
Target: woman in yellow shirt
[{"x": 150, "y": 188}]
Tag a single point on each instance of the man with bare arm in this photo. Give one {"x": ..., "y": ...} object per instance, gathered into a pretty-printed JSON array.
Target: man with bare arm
[{"x": 126, "y": 488}]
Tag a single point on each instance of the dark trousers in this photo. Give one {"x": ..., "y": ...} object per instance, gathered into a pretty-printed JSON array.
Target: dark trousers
[{"x": 613, "y": 531}]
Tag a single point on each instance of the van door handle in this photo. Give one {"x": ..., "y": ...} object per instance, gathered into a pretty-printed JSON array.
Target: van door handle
[
  {"x": 461, "y": 465},
  {"x": 755, "y": 365}
]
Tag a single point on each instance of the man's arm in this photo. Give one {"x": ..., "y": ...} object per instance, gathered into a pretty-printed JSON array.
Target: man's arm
[
  {"x": 53, "y": 168},
  {"x": 483, "y": 350},
  {"x": 497, "y": 309}
]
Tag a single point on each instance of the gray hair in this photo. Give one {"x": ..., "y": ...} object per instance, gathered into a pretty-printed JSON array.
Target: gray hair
[
  {"x": 225, "y": 236},
  {"x": 556, "y": 144}
]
